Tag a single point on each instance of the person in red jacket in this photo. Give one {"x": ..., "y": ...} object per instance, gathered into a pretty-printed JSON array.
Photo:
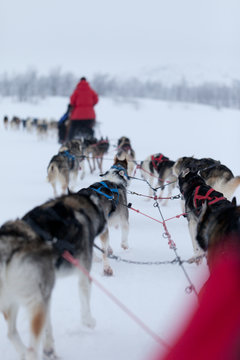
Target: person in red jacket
[{"x": 82, "y": 117}]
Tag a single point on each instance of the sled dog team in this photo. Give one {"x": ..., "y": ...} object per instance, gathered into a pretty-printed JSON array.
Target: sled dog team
[{"x": 31, "y": 248}]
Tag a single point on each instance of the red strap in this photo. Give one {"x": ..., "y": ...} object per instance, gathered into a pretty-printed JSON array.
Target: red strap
[
  {"x": 216, "y": 200},
  {"x": 157, "y": 160},
  {"x": 206, "y": 197}
]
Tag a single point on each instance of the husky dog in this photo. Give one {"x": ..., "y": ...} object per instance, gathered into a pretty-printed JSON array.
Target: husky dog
[
  {"x": 196, "y": 193},
  {"x": 216, "y": 175},
  {"x": 113, "y": 187},
  {"x": 158, "y": 167},
  {"x": 15, "y": 123},
  {"x": 125, "y": 151},
  {"x": 97, "y": 149},
  {"x": 42, "y": 128},
  {"x": 65, "y": 164},
  {"x": 217, "y": 225},
  {"x": 5, "y": 122},
  {"x": 31, "y": 255}
]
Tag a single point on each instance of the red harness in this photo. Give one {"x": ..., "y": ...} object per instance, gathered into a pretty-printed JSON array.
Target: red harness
[
  {"x": 207, "y": 196},
  {"x": 157, "y": 160}
]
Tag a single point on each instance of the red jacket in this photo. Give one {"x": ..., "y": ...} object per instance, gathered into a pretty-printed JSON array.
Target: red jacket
[
  {"x": 83, "y": 100},
  {"x": 214, "y": 330}
]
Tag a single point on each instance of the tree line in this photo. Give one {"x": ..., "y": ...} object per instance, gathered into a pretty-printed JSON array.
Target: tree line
[{"x": 29, "y": 86}]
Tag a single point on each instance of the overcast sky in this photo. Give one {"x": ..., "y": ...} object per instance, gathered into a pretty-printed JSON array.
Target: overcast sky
[{"x": 124, "y": 36}]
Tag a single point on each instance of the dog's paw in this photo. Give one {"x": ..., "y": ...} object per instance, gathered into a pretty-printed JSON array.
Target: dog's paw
[
  {"x": 124, "y": 246},
  {"x": 108, "y": 271},
  {"x": 49, "y": 354},
  {"x": 197, "y": 260},
  {"x": 89, "y": 321}
]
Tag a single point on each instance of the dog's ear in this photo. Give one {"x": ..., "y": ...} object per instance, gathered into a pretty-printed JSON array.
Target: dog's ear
[
  {"x": 185, "y": 172},
  {"x": 63, "y": 148},
  {"x": 234, "y": 201}
]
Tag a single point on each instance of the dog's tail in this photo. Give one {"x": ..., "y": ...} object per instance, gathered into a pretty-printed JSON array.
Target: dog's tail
[{"x": 52, "y": 172}]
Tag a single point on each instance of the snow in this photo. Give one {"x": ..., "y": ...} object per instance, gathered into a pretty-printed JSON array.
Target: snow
[{"x": 156, "y": 294}]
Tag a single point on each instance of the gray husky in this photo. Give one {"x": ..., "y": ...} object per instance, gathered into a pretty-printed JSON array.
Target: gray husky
[
  {"x": 216, "y": 175},
  {"x": 31, "y": 252},
  {"x": 65, "y": 165}
]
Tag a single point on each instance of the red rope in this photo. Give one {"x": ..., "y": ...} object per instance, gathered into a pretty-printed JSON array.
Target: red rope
[
  {"x": 171, "y": 243},
  {"x": 174, "y": 217},
  {"x": 67, "y": 256},
  {"x": 150, "y": 217},
  {"x": 149, "y": 173}
]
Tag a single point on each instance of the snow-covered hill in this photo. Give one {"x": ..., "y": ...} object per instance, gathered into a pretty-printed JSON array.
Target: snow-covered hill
[{"x": 156, "y": 294}]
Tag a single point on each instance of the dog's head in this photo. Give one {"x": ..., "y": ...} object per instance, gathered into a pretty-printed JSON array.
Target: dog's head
[
  {"x": 184, "y": 163},
  {"x": 118, "y": 172},
  {"x": 103, "y": 144},
  {"x": 124, "y": 142},
  {"x": 188, "y": 179},
  {"x": 74, "y": 146}
]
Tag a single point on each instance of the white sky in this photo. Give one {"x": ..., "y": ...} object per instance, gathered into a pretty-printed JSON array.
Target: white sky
[{"x": 118, "y": 37}]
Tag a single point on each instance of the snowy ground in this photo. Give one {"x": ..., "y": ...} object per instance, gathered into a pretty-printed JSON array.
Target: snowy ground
[{"x": 156, "y": 294}]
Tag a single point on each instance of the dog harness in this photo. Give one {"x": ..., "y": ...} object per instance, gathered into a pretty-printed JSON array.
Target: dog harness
[
  {"x": 157, "y": 160},
  {"x": 211, "y": 200},
  {"x": 105, "y": 186},
  {"x": 70, "y": 157}
]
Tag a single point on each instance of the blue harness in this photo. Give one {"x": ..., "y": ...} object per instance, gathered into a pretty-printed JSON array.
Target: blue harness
[
  {"x": 70, "y": 156},
  {"x": 110, "y": 197},
  {"x": 112, "y": 190}
]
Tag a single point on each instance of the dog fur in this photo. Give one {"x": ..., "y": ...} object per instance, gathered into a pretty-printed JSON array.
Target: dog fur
[
  {"x": 194, "y": 190},
  {"x": 158, "y": 167},
  {"x": 125, "y": 151},
  {"x": 31, "y": 249},
  {"x": 97, "y": 149},
  {"x": 216, "y": 175},
  {"x": 64, "y": 166},
  {"x": 216, "y": 226},
  {"x": 117, "y": 180}
]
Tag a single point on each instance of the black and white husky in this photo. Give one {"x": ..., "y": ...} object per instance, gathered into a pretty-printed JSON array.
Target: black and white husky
[
  {"x": 157, "y": 169},
  {"x": 31, "y": 254},
  {"x": 197, "y": 196}
]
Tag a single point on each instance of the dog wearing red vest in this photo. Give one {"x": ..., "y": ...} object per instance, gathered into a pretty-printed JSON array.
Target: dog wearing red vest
[
  {"x": 217, "y": 175},
  {"x": 157, "y": 170},
  {"x": 201, "y": 200}
]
